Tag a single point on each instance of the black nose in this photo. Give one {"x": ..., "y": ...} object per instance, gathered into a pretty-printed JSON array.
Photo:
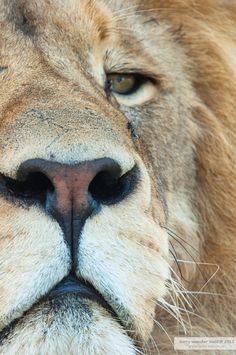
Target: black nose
[{"x": 71, "y": 193}]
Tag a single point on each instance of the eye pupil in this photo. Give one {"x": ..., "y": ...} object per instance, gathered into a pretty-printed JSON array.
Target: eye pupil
[
  {"x": 120, "y": 79},
  {"x": 123, "y": 84}
]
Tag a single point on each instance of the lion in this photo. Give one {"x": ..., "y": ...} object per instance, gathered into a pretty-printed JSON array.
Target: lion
[{"x": 117, "y": 175}]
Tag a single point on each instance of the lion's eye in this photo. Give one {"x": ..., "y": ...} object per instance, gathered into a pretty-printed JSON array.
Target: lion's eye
[{"x": 124, "y": 84}]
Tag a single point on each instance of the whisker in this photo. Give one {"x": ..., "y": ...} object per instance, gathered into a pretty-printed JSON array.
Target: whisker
[
  {"x": 182, "y": 301},
  {"x": 139, "y": 351},
  {"x": 174, "y": 236},
  {"x": 197, "y": 293},
  {"x": 181, "y": 245},
  {"x": 174, "y": 313},
  {"x": 173, "y": 253},
  {"x": 208, "y": 293},
  {"x": 164, "y": 330},
  {"x": 190, "y": 312},
  {"x": 155, "y": 345},
  {"x": 202, "y": 263},
  {"x": 174, "y": 283},
  {"x": 177, "y": 236},
  {"x": 147, "y": 348}
]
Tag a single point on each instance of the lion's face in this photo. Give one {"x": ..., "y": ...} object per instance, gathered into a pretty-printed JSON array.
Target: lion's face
[{"x": 96, "y": 158}]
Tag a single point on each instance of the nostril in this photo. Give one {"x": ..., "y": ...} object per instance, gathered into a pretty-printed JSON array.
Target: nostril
[
  {"x": 108, "y": 189},
  {"x": 32, "y": 188},
  {"x": 56, "y": 186}
]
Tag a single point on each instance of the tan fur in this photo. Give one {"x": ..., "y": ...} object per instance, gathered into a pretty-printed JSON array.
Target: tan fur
[{"x": 54, "y": 56}]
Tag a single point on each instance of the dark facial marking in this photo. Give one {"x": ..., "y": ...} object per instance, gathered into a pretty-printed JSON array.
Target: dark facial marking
[
  {"x": 133, "y": 130},
  {"x": 25, "y": 24},
  {"x": 2, "y": 69}
]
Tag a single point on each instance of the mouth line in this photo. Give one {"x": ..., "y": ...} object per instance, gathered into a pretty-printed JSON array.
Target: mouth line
[
  {"x": 69, "y": 285},
  {"x": 72, "y": 285}
]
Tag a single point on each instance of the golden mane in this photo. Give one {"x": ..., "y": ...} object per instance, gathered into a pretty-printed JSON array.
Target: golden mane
[{"x": 207, "y": 32}]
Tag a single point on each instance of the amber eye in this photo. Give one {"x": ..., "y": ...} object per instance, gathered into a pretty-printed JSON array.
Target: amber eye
[{"x": 124, "y": 84}]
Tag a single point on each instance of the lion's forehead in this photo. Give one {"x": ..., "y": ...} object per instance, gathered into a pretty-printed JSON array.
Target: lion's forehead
[
  {"x": 70, "y": 13},
  {"x": 74, "y": 26},
  {"x": 64, "y": 35},
  {"x": 60, "y": 45}
]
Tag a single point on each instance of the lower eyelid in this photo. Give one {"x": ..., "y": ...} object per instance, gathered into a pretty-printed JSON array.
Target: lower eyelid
[{"x": 146, "y": 92}]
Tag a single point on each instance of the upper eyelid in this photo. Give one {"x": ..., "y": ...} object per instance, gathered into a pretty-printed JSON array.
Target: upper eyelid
[{"x": 137, "y": 71}]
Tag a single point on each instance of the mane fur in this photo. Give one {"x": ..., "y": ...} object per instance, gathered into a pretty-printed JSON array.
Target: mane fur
[{"x": 207, "y": 32}]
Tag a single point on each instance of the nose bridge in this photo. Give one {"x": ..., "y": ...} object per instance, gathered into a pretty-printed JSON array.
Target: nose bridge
[{"x": 66, "y": 135}]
